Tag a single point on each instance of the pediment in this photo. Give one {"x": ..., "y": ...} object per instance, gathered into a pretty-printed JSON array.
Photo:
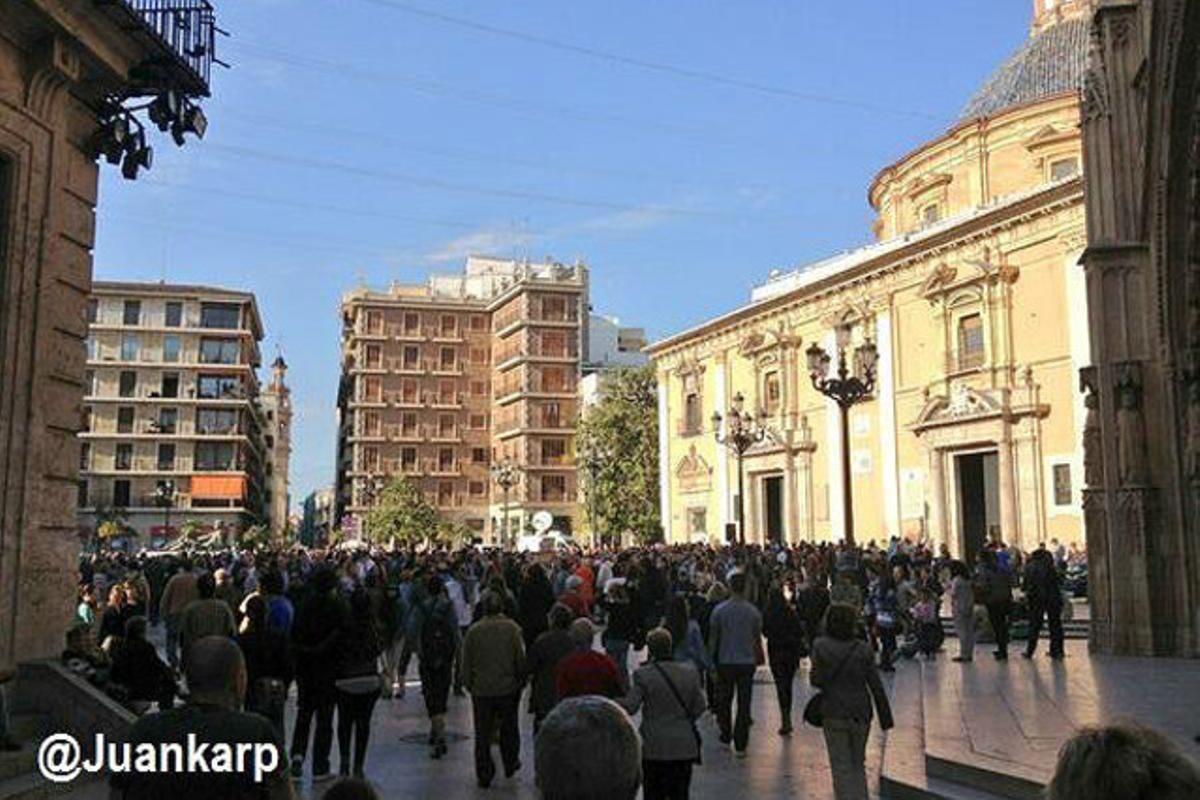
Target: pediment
[
  {"x": 963, "y": 402},
  {"x": 927, "y": 183},
  {"x": 692, "y": 465},
  {"x": 1049, "y": 136}
]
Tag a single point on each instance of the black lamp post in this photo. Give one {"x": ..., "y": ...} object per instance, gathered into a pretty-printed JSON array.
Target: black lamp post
[
  {"x": 369, "y": 489},
  {"x": 846, "y": 388},
  {"x": 164, "y": 493},
  {"x": 593, "y": 462},
  {"x": 742, "y": 430},
  {"x": 507, "y": 474}
]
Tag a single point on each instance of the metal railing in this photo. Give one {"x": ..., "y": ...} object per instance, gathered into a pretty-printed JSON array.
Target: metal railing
[{"x": 188, "y": 27}]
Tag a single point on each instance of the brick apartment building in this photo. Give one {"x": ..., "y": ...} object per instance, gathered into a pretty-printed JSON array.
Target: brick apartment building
[
  {"x": 174, "y": 429},
  {"x": 440, "y": 381}
]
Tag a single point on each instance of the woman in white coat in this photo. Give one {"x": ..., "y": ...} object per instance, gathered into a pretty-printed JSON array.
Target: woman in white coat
[{"x": 962, "y": 607}]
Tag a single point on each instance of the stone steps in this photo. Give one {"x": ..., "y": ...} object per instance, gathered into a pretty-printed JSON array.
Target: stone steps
[
  {"x": 909, "y": 773},
  {"x": 19, "y": 776}
]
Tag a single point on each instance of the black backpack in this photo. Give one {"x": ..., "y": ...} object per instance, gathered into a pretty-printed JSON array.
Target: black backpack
[{"x": 437, "y": 639}]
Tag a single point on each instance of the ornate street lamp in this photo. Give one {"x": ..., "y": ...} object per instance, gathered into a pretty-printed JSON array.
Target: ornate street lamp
[
  {"x": 164, "y": 495},
  {"x": 369, "y": 489},
  {"x": 507, "y": 474},
  {"x": 741, "y": 431},
  {"x": 846, "y": 388}
]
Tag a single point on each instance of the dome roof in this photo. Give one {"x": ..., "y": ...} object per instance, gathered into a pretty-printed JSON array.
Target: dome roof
[{"x": 1051, "y": 62}]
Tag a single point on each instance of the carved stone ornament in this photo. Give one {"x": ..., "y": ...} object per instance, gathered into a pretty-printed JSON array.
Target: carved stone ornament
[
  {"x": 1095, "y": 79},
  {"x": 1093, "y": 444},
  {"x": 1132, "y": 466},
  {"x": 693, "y": 473}
]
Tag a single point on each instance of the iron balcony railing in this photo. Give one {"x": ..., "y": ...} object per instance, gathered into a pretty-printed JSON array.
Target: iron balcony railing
[{"x": 186, "y": 27}]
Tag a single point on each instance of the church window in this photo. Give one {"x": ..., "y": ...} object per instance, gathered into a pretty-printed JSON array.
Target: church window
[
  {"x": 1062, "y": 484},
  {"x": 970, "y": 342},
  {"x": 771, "y": 393},
  {"x": 698, "y": 521},
  {"x": 1064, "y": 168},
  {"x": 930, "y": 214}
]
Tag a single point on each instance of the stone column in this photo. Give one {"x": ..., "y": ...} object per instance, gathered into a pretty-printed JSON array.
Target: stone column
[
  {"x": 937, "y": 499},
  {"x": 1010, "y": 521}
]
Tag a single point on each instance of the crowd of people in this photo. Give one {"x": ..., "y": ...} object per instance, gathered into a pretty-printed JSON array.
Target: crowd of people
[{"x": 344, "y": 626}]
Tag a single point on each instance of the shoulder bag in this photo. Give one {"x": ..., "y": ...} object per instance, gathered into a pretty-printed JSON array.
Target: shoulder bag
[
  {"x": 814, "y": 712},
  {"x": 686, "y": 712}
]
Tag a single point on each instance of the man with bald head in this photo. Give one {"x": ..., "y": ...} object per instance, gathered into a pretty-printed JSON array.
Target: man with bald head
[{"x": 216, "y": 679}]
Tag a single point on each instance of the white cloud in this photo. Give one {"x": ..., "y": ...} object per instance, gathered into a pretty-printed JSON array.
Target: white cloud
[
  {"x": 490, "y": 240},
  {"x": 629, "y": 221}
]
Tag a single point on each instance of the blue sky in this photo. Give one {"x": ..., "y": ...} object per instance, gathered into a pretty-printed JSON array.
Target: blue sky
[{"x": 682, "y": 148}]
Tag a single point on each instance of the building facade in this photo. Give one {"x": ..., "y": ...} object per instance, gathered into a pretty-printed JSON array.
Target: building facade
[
  {"x": 276, "y": 402},
  {"x": 317, "y": 520},
  {"x": 978, "y": 311},
  {"x": 1141, "y": 132},
  {"x": 442, "y": 380},
  {"x": 173, "y": 427},
  {"x": 59, "y": 62}
]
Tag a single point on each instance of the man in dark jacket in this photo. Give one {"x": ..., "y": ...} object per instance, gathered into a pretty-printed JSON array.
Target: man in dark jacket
[
  {"x": 315, "y": 635},
  {"x": 1043, "y": 593},
  {"x": 996, "y": 589}
]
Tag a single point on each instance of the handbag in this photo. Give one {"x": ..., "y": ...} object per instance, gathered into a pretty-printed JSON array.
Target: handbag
[
  {"x": 691, "y": 720},
  {"x": 814, "y": 711}
]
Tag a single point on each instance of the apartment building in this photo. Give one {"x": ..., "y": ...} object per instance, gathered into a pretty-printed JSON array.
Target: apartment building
[
  {"x": 173, "y": 430},
  {"x": 442, "y": 380}
]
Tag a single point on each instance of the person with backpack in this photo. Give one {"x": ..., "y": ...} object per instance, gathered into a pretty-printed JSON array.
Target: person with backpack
[
  {"x": 494, "y": 672},
  {"x": 436, "y": 624}
]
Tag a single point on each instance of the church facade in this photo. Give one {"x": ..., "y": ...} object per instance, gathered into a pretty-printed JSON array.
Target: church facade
[{"x": 974, "y": 300}]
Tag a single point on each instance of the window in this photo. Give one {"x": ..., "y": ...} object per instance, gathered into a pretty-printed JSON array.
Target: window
[
  {"x": 218, "y": 387},
  {"x": 409, "y": 391},
  {"x": 449, "y": 325},
  {"x": 554, "y": 451},
  {"x": 1064, "y": 168},
  {"x": 215, "y": 457},
  {"x": 123, "y": 460},
  {"x": 216, "y": 421},
  {"x": 771, "y": 393},
  {"x": 173, "y": 317},
  {"x": 478, "y": 322},
  {"x": 478, "y": 355},
  {"x": 373, "y": 356},
  {"x": 697, "y": 521},
  {"x": 125, "y": 419},
  {"x": 931, "y": 214},
  {"x": 412, "y": 322},
  {"x": 478, "y": 388},
  {"x": 408, "y": 423},
  {"x": 478, "y": 422},
  {"x": 130, "y": 347},
  {"x": 970, "y": 342},
  {"x": 93, "y": 347},
  {"x": 132, "y": 314},
  {"x": 121, "y": 493},
  {"x": 170, "y": 385},
  {"x": 127, "y": 384},
  {"x": 219, "y": 351},
  {"x": 408, "y": 459},
  {"x": 692, "y": 413},
  {"x": 1062, "y": 484},
  {"x": 89, "y": 383},
  {"x": 225, "y": 316},
  {"x": 166, "y": 456},
  {"x": 81, "y": 499},
  {"x": 446, "y": 426},
  {"x": 168, "y": 420},
  {"x": 449, "y": 357},
  {"x": 412, "y": 357},
  {"x": 550, "y": 415},
  {"x": 479, "y": 455},
  {"x": 476, "y": 488},
  {"x": 93, "y": 311},
  {"x": 554, "y": 488},
  {"x": 446, "y": 459},
  {"x": 87, "y": 419},
  {"x": 171, "y": 349},
  {"x": 445, "y": 493},
  {"x": 85, "y": 456}
]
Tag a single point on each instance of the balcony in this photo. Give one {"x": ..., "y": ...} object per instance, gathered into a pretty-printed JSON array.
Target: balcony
[{"x": 183, "y": 31}]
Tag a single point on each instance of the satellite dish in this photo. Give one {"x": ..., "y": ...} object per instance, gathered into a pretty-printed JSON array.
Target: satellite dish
[{"x": 542, "y": 521}]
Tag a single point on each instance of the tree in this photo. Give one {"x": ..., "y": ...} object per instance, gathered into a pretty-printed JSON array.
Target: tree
[
  {"x": 618, "y": 438},
  {"x": 191, "y": 529},
  {"x": 402, "y": 513}
]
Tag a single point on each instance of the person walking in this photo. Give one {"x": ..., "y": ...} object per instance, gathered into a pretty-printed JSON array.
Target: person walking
[
  {"x": 785, "y": 647},
  {"x": 997, "y": 596},
  {"x": 883, "y": 602},
  {"x": 1043, "y": 593},
  {"x": 962, "y": 608},
  {"x": 670, "y": 696},
  {"x": 585, "y": 671},
  {"x": 843, "y": 668},
  {"x": 205, "y": 616},
  {"x": 358, "y": 684},
  {"x": 735, "y": 641},
  {"x": 316, "y": 633},
  {"x": 546, "y": 654},
  {"x": 435, "y": 621},
  {"x": 268, "y": 657},
  {"x": 622, "y": 629},
  {"x": 493, "y": 665},
  {"x": 180, "y": 591}
]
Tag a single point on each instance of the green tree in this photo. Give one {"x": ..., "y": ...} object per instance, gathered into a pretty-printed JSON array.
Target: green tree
[
  {"x": 618, "y": 456},
  {"x": 402, "y": 513}
]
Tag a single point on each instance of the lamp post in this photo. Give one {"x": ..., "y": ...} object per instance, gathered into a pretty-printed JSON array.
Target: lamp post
[
  {"x": 507, "y": 474},
  {"x": 164, "y": 494},
  {"x": 369, "y": 489},
  {"x": 846, "y": 388},
  {"x": 742, "y": 430}
]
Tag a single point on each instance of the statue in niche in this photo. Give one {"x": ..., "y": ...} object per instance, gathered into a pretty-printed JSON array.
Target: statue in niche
[
  {"x": 1093, "y": 454},
  {"x": 1131, "y": 435}
]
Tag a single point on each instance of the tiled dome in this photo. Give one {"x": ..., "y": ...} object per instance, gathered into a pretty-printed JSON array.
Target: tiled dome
[{"x": 1051, "y": 62}]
